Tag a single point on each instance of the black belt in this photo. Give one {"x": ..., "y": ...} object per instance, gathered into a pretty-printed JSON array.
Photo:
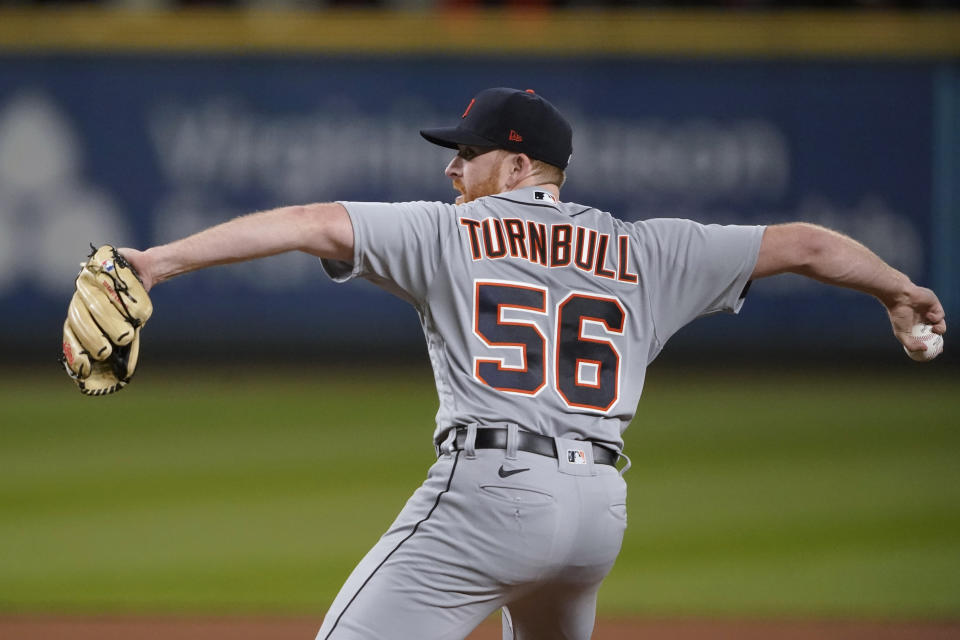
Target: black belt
[{"x": 529, "y": 442}]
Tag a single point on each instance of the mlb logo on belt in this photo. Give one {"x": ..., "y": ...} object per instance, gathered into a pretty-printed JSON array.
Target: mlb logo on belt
[{"x": 576, "y": 456}]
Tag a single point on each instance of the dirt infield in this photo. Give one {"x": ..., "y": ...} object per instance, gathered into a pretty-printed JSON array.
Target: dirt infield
[{"x": 136, "y": 628}]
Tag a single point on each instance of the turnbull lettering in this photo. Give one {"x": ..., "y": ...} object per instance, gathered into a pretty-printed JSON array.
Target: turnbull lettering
[{"x": 555, "y": 246}]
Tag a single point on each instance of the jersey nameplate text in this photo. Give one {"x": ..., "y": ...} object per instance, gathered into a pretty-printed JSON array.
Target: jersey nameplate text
[{"x": 555, "y": 246}]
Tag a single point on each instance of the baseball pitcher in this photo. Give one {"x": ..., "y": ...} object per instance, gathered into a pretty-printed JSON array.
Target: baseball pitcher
[{"x": 540, "y": 318}]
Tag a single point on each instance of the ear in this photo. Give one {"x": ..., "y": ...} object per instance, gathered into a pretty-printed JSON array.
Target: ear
[
  {"x": 520, "y": 167},
  {"x": 523, "y": 163}
]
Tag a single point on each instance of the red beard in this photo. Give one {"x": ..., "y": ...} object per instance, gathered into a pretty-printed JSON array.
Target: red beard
[{"x": 486, "y": 187}]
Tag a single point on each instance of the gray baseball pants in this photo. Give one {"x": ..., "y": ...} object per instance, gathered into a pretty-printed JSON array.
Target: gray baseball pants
[{"x": 537, "y": 542}]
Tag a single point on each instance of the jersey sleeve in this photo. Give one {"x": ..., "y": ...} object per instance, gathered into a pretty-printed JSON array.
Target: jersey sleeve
[
  {"x": 691, "y": 269},
  {"x": 397, "y": 246}
]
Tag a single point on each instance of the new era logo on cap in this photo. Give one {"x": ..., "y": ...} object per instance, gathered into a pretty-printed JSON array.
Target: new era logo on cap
[{"x": 496, "y": 118}]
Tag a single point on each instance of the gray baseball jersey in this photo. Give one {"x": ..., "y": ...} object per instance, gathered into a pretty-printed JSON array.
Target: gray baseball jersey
[
  {"x": 541, "y": 313},
  {"x": 539, "y": 316}
]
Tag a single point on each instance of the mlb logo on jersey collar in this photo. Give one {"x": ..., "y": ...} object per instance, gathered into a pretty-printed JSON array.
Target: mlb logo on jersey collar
[{"x": 541, "y": 196}]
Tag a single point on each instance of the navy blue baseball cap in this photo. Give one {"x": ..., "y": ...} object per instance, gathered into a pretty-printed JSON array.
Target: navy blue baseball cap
[{"x": 514, "y": 120}]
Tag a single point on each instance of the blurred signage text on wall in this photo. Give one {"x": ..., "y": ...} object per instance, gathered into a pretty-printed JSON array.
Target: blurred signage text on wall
[{"x": 142, "y": 151}]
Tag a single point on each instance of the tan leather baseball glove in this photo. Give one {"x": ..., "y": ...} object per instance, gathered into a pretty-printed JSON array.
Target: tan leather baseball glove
[{"x": 101, "y": 336}]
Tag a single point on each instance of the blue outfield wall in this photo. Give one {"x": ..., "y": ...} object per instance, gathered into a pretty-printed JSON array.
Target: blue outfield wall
[{"x": 139, "y": 150}]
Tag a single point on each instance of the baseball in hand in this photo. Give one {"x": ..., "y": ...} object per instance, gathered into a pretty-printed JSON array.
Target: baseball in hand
[{"x": 934, "y": 342}]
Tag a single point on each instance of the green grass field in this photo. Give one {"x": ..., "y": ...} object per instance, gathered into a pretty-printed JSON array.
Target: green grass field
[{"x": 768, "y": 493}]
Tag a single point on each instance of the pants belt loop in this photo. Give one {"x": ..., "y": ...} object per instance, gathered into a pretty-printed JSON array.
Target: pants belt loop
[
  {"x": 512, "y": 438},
  {"x": 447, "y": 446},
  {"x": 626, "y": 466},
  {"x": 470, "y": 444},
  {"x": 507, "y": 624}
]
